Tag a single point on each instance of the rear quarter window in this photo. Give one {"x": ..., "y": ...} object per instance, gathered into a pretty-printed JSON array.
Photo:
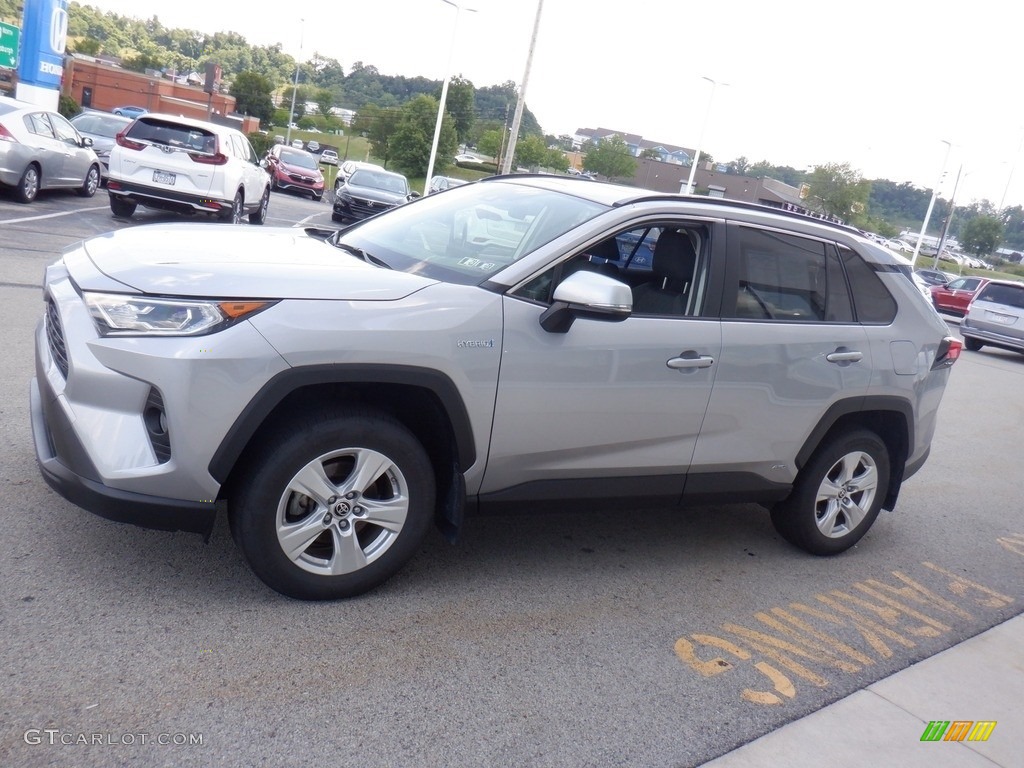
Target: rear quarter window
[{"x": 871, "y": 299}]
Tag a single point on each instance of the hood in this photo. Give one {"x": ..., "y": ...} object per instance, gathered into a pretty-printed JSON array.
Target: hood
[{"x": 218, "y": 260}]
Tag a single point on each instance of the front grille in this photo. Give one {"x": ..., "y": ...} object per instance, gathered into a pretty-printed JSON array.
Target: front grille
[
  {"x": 363, "y": 207},
  {"x": 55, "y": 337}
]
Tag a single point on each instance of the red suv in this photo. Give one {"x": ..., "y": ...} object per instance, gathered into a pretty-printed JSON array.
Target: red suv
[
  {"x": 954, "y": 296},
  {"x": 294, "y": 169}
]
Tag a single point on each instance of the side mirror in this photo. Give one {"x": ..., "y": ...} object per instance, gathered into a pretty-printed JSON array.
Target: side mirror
[
  {"x": 86, "y": 141},
  {"x": 588, "y": 295},
  {"x": 414, "y": 195}
]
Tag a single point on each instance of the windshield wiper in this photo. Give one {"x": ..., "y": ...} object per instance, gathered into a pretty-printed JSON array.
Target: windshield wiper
[{"x": 367, "y": 257}]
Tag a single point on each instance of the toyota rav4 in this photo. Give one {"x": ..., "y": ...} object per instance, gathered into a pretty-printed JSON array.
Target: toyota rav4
[{"x": 525, "y": 341}]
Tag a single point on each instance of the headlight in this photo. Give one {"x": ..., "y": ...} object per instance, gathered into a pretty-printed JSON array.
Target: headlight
[{"x": 118, "y": 314}]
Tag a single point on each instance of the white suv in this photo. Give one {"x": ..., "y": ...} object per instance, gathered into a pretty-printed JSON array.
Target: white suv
[{"x": 189, "y": 166}]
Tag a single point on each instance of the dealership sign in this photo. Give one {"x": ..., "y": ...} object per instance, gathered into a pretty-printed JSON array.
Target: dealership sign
[{"x": 44, "y": 35}]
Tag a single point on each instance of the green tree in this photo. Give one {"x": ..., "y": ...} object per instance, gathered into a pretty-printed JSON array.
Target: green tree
[
  {"x": 324, "y": 103},
  {"x": 981, "y": 235},
  {"x": 836, "y": 189},
  {"x": 531, "y": 152},
  {"x": 650, "y": 154},
  {"x": 610, "y": 157},
  {"x": 378, "y": 125},
  {"x": 87, "y": 45},
  {"x": 252, "y": 96},
  {"x": 489, "y": 142},
  {"x": 414, "y": 137},
  {"x": 460, "y": 105}
]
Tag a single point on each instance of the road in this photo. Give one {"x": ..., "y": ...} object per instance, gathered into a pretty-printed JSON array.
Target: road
[{"x": 628, "y": 638}]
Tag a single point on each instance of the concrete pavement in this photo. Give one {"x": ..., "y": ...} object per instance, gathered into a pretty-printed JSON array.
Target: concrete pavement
[{"x": 981, "y": 680}]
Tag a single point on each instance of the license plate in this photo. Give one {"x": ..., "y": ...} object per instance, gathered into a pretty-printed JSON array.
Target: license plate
[
  {"x": 162, "y": 177},
  {"x": 1001, "y": 319}
]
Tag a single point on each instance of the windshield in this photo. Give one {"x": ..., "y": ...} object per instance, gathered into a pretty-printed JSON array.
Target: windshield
[
  {"x": 298, "y": 159},
  {"x": 389, "y": 182},
  {"x": 470, "y": 232}
]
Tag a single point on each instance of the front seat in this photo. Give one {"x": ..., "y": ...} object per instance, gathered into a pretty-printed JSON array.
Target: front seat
[{"x": 672, "y": 265}]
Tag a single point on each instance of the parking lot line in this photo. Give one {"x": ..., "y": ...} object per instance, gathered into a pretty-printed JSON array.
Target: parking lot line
[{"x": 51, "y": 215}]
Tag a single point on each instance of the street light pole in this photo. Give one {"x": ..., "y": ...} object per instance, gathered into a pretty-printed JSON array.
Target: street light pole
[
  {"x": 931, "y": 204},
  {"x": 949, "y": 217},
  {"x": 295, "y": 87},
  {"x": 700, "y": 140},
  {"x": 444, "y": 94},
  {"x": 1013, "y": 166}
]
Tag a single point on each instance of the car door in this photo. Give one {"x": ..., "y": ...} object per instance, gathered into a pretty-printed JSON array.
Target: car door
[
  {"x": 50, "y": 149},
  {"x": 958, "y": 294},
  {"x": 77, "y": 158},
  {"x": 254, "y": 177},
  {"x": 791, "y": 348},
  {"x": 606, "y": 409}
]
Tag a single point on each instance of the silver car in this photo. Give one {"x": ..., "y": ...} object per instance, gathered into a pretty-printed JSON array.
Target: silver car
[
  {"x": 102, "y": 128},
  {"x": 40, "y": 149},
  {"x": 527, "y": 342},
  {"x": 995, "y": 317}
]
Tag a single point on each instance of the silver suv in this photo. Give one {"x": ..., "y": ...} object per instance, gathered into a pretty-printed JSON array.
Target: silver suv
[
  {"x": 187, "y": 166},
  {"x": 524, "y": 341}
]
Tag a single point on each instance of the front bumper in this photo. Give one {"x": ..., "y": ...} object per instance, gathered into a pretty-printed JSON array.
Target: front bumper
[{"x": 92, "y": 495}]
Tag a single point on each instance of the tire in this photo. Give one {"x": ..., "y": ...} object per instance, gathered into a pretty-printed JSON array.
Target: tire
[
  {"x": 234, "y": 214},
  {"x": 260, "y": 214},
  {"x": 317, "y": 198},
  {"x": 28, "y": 184},
  {"x": 121, "y": 208},
  {"x": 337, "y": 217},
  {"x": 972, "y": 345},
  {"x": 91, "y": 183},
  {"x": 354, "y": 490},
  {"x": 837, "y": 495}
]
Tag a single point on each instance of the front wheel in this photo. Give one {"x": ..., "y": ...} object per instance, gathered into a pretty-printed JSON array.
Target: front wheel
[
  {"x": 837, "y": 495},
  {"x": 333, "y": 504}
]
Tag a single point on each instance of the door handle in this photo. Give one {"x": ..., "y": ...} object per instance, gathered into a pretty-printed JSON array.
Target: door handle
[
  {"x": 689, "y": 361},
  {"x": 844, "y": 355}
]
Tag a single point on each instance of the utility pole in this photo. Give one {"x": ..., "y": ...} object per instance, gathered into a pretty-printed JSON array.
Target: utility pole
[{"x": 506, "y": 166}]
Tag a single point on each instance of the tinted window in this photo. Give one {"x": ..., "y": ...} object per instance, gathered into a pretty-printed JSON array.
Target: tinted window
[
  {"x": 1008, "y": 295},
  {"x": 792, "y": 278},
  {"x": 173, "y": 135},
  {"x": 871, "y": 299}
]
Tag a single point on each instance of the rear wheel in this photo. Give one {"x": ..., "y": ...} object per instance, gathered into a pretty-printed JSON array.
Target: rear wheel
[
  {"x": 334, "y": 504},
  {"x": 28, "y": 184},
  {"x": 260, "y": 214},
  {"x": 837, "y": 495},
  {"x": 121, "y": 208},
  {"x": 91, "y": 183},
  {"x": 234, "y": 214},
  {"x": 972, "y": 344}
]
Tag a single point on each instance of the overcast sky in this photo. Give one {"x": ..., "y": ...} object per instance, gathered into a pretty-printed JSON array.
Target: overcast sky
[{"x": 877, "y": 84}]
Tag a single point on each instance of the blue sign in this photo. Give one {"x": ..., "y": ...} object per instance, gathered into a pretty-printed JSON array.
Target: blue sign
[{"x": 44, "y": 33}]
